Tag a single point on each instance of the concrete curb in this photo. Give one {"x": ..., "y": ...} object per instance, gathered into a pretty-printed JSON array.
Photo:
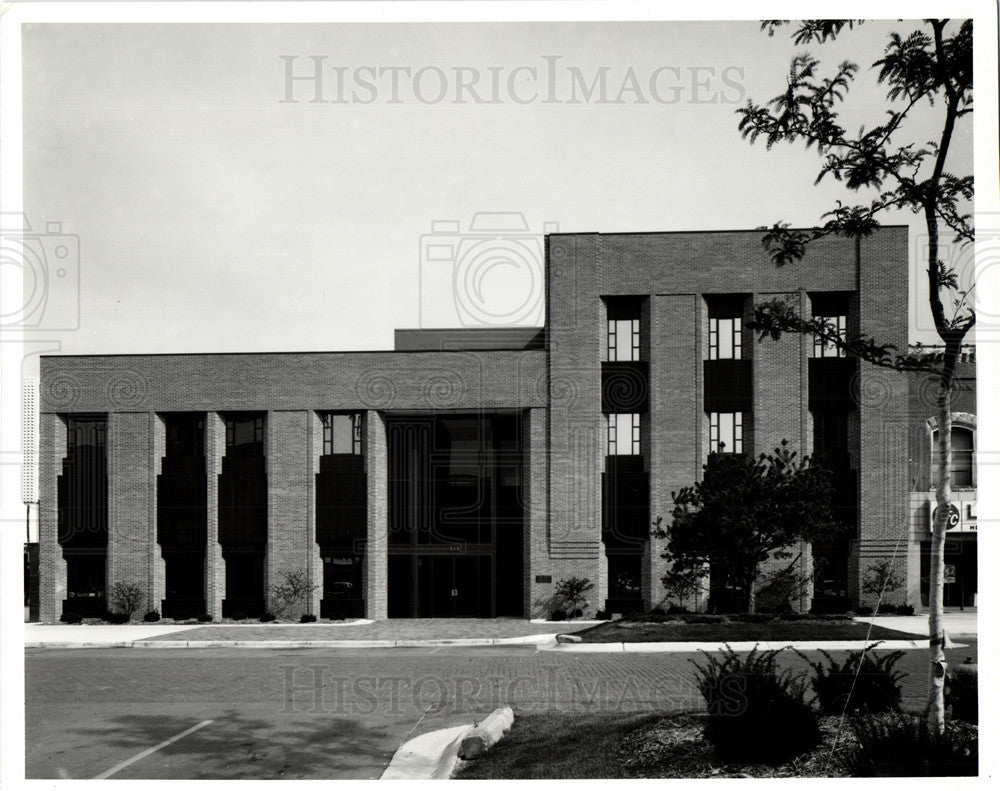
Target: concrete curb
[
  {"x": 430, "y": 756},
  {"x": 533, "y": 639},
  {"x": 688, "y": 648}
]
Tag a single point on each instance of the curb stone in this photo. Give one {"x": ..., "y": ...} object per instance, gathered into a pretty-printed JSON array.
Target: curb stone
[
  {"x": 430, "y": 756},
  {"x": 434, "y": 755},
  {"x": 688, "y": 648}
]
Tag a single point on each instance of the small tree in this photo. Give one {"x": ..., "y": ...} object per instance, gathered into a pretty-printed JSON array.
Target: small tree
[
  {"x": 742, "y": 512},
  {"x": 880, "y": 578},
  {"x": 571, "y": 591},
  {"x": 125, "y": 599},
  {"x": 293, "y": 589}
]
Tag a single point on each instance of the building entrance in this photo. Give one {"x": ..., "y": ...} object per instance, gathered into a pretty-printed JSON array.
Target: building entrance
[
  {"x": 960, "y": 572},
  {"x": 441, "y": 586},
  {"x": 455, "y": 516}
]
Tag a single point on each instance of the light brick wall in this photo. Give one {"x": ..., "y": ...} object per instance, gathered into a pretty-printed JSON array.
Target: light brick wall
[
  {"x": 52, "y": 571},
  {"x": 314, "y": 561},
  {"x": 215, "y": 565},
  {"x": 676, "y": 416},
  {"x": 377, "y": 554},
  {"x": 288, "y": 505},
  {"x": 157, "y": 582},
  {"x": 129, "y": 447}
]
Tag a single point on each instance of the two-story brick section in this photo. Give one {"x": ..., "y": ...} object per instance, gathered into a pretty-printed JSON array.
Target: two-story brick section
[{"x": 468, "y": 471}]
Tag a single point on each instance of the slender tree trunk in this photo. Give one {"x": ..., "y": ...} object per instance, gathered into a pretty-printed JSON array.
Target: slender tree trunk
[
  {"x": 942, "y": 496},
  {"x": 751, "y": 589}
]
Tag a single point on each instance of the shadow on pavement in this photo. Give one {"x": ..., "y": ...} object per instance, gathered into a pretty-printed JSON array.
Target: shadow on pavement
[{"x": 238, "y": 747}]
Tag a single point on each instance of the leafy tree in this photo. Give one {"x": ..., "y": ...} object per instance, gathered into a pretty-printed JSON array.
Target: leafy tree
[
  {"x": 930, "y": 66},
  {"x": 881, "y": 578},
  {"x": 743, "y": 512},
  {"x": 572, "y": 593}
]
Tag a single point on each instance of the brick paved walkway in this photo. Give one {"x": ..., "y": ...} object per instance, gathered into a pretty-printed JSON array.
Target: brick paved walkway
[{"x": 398, "y": 629}]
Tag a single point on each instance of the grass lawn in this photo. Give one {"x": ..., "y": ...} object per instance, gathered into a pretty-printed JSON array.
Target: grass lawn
[
  {"x": 546, "y": 746},
  {"x": 681, "y": 632},
  {"x": 630, "y": 746},
  {"x": 613, "y": 745}
]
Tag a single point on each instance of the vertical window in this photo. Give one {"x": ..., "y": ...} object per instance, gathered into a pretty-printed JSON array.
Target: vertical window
[
  {"x": 245, "y": 436},
  {"x": 824, "y": 348},
  {"x": 830, "y": 438},
  {"x": 962, "y": 451},
  {"x": 623, "y": 434},
  {"x": 623, "y": 340},
  {"x": 86, "y": 433},
  {"x": 725, "y": 432},
  {"x": 342, "y": 434},
  {"x": 725, "y": 338}
]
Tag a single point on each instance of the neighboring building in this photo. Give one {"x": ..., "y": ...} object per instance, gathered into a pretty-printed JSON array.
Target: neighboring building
[
  {"x": 469, "y": 471},
  {"x": 960, "y": 554},
  {"x": 29, "y": 493}
]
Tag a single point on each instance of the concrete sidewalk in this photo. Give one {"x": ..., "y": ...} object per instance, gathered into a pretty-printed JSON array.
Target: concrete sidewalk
[
  {"x": 348, "y": 634},
  {"x": 409, "y": 633}
]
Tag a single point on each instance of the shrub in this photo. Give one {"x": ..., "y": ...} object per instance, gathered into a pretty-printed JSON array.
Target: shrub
[
  {"x": 881, "y": 578},
  {"x": 238, "y": 616},
  {"x": 152, "y": 615},
  {"x": 751, "y": 617},
  {"x": 125, "y": 598},
  {"x": 117, "y": 617},
  {"x": 863, "y": 682},
  {"x": 755, "y": 715},
  {"x": 901, "y": 745},
  {"x": 601, "y": 615},
  {"x": 866, "y": 610},
  {"x": 293, "y": 589},
  {"x": 888, "y": 609},
  {"x": 674, "y": 609},
  {"x": 961, "y": 691},
  {"x": 71, "y": 617},
  {"x": 307, "y": 618},
  {"x": 558, "y": 615},
  {"x": 571, "y": 592},
  {"x": 704, "y": 618},
  {"x": 267, "y": 617},
  {"x": 204, "y": 618},
  {"x": 904, "y": 609}
]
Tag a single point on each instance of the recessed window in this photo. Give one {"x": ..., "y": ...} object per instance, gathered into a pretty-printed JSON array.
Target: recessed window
[
  {"x": 725, "y": 338},
  {"x": 962, "y": 452},
  {"x": 342, "y": 434},
  {"x": 245, "y": 435},
  {"x": 623, "y": 340},
  {"x": 725, "y": 432},
  {"x": 623, "y": 434},
  {"x": 825, "y": 348},
  {"x": 86, "y": 433}
]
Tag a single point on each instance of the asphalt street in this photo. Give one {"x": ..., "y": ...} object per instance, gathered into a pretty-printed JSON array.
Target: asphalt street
[{"x": 319, "y": 713}]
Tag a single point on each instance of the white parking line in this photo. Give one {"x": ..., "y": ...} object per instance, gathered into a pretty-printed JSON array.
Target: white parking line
[{"x": 150, "y": 750}]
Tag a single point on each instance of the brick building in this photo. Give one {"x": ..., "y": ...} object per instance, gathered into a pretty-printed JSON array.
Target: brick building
[
  {"x": 469, "y": 471},
  {"x": 960, "y": 555}
]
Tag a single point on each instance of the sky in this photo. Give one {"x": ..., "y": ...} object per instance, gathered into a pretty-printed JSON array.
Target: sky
[{"x": 219, "y": 206}]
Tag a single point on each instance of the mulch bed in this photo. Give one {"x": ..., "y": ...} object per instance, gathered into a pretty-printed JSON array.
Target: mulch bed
[{"x": 674, "y": 747}]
